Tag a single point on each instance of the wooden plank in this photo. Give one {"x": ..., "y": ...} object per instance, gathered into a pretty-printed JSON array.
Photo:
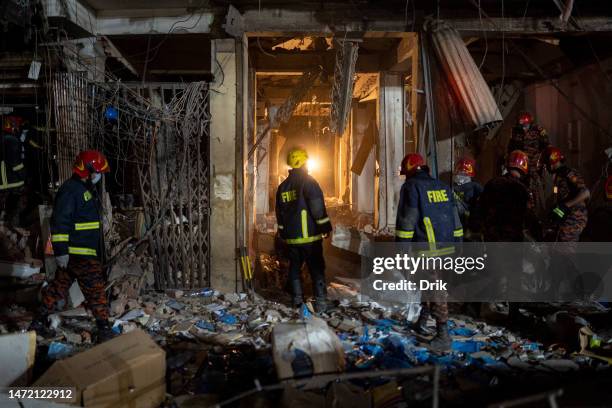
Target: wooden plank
[{"x": 365, "y": 147}]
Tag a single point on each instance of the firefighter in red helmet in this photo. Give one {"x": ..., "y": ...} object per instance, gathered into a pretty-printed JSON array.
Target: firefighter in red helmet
[
  {"x": 12, "y": 170},
  {"x": 466, "y": 191},
  {"x": 76, "y": 235},
  {"x": 570, "y": 193},
  {"x": 532, "y": 139},
  {"x": 504, "y": 201},
  {"x": 426, "y": 213}
]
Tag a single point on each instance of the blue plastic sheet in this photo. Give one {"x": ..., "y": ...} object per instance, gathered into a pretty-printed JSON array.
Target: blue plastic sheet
[
  {"x": 172, "y": 303},
  {"x": 305, "y": 312},
  {"x": 469, "y": 346},
  {"x": 59, "y": 350},
  {"x": 204, "y": 325},
  {"x": 227, "y": 318},
  {"x": 530, "y": 346}
]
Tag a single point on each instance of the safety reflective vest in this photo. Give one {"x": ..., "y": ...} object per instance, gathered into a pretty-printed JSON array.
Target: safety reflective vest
[
  {"x": 427, "y": 212},
  {"x": 75, "y": 223},
  {"x": 12, "y": 172},
  {"x": 300, "y": 209}
]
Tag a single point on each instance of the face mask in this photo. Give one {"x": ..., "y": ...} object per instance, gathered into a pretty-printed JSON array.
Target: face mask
[
  {"x": 95, "y": 177},
  {"x": 461, "y": 179}
]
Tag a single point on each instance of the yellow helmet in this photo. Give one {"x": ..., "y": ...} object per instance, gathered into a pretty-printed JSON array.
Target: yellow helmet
[{"x": 297, "y": 157}]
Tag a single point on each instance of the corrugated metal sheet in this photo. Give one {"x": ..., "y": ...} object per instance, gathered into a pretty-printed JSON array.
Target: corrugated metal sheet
[{"x": 463, "y": 75}]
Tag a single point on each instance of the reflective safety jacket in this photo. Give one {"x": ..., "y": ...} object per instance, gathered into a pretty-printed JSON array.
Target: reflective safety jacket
[
  {"x": 12, "y": 172},
  {"x": 75, "y": 223},
  {"x": 300, "y": 209},
  {"x": 427, "y": 212}
]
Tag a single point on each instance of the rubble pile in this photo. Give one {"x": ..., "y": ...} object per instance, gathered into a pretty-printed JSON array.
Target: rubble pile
[
  {"x": 209, "y": 336},
  {"x": 14, "y": 244}
]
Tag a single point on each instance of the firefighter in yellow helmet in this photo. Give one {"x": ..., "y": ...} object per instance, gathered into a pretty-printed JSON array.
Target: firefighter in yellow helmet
[{"x": 303, "y": 223}]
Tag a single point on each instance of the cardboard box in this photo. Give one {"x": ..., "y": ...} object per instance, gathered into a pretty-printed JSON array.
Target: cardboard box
[
  {"x": 17, "y": 351},
  {"x": 303, "y": 349},
  {"x": 127, "y": 371}
]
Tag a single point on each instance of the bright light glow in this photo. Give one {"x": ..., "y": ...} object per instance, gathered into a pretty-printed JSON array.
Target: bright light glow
[{"x": 313, "y": 165}]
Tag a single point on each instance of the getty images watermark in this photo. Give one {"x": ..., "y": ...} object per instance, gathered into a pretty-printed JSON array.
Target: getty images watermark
[
  {"x": 487, "y": 271},
  {"x": 433, "y": 263}
]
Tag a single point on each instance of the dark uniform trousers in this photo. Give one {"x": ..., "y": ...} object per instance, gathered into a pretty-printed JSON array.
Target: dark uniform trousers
[
  {"x": 312, "y": 254},
  {"x": 90, "y": 277}
]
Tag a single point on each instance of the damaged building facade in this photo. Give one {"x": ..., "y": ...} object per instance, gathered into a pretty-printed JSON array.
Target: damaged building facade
[{"x": 197, "y": 105}]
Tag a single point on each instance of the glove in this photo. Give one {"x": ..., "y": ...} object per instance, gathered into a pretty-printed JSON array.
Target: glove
[
  {"x": 560, "y": 212},
  {"x": 62, "y": 261}
]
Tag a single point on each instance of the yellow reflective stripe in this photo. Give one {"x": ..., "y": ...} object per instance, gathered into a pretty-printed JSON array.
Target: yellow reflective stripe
[
  {"x": 323, "y": 220},
  {"x": 11, "y": 185},
  {"x": 34, "y": 144},
  {"x": 404, "y": 234},
  {"x": 304, "y": 224},
  {"x": 458, "y": 232},
  {"x": 82, "y": 251},
  {"x": 59, "y": 238},
  {"x": 4, "y": 179},
  {"x": 431, "y": 236},
  {"x": 82, "y": 226},
  {"x": 559, "y": 212},
  {"x": 304, "y": 240},
  {"x": 437, "y": 252},
  {"x": 18, "y": 167}
]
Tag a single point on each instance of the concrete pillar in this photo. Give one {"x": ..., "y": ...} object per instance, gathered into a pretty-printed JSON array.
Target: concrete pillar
[
  {"x": 224, "y": 169},
  {"x": 390, "y": 146}
]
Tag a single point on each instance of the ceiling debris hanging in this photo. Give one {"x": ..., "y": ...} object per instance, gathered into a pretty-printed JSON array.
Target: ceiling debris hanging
[
  {"x": 344, "y": 80},
  {"x": 287, "y": 109},
  {"x": 466, "y": 80}
]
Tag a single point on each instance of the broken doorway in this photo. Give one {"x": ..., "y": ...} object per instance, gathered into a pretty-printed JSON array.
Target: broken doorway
[{"x": 356, "y": 163}]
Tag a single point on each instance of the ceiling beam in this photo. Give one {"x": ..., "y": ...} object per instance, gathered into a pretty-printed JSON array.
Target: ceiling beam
[
  {"x": 189, "y": 23},
  {"x": 304, "y": 61},
  {"x": 113, "y": 52},
  {"x": 530, "y": 26}
]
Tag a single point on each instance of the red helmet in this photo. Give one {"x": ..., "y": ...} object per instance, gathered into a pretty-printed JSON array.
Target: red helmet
[
  {"x": 518, "y": 160},
  {"x": 467, "y": 166},
  {"x": 90, "y": 161},
  {"x": 11, "y": 123},
  {"x": 411, "y": 163},
  {"x": 553, "y": 155},
  {"x": 525, "y": 118}
]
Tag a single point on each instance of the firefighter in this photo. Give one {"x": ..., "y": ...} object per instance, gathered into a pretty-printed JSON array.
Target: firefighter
[
  {"x": 427, "y": 213},
  {"x": 303, "y": 223},
  {"x": 504, "y": 204},
  {"x": 505, "y": 201},
  {"x": 12, "y": 170},
  {"x": 571, "y": 195},
  {"x": 531, "y": 139},
  {"x": 76, "y": 235},
  {"x": 466, "y": 191}
]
